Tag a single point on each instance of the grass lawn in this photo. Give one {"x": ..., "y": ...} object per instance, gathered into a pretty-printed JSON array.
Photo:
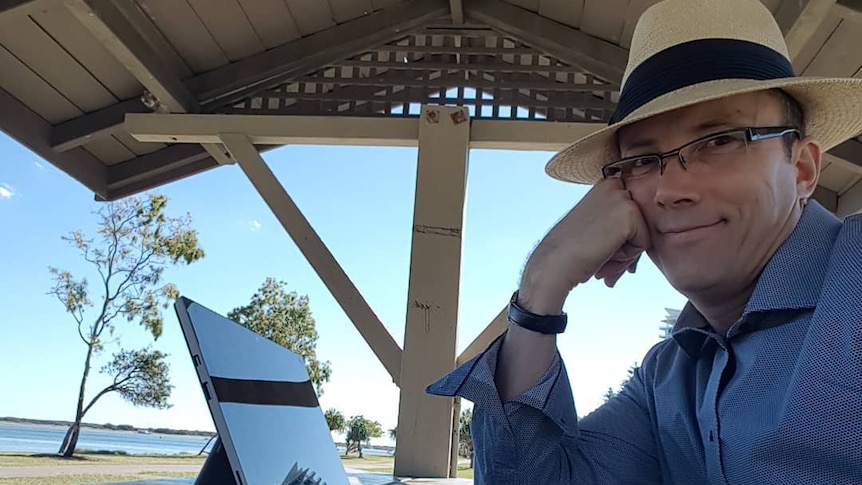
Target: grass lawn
[
  {"x": 79, "y": 479},
  {"x": 30, "y": 459},
  {"x": 370, "y": 464},
  {"x": 385, "y": 464}
]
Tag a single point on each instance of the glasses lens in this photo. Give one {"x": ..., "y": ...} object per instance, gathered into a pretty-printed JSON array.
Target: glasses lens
[
  {"x": 634, "y": 167},
  {"x": 716, "y": 148}
]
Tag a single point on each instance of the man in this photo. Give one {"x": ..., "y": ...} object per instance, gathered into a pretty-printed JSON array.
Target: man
[{"x": 709, "y": 166}]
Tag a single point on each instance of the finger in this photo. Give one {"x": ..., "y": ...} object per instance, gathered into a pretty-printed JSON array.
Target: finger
[
  {"x": 612, "y": 280},
  {"x": 612, "y": 268},
  {"x": 641, "y": 238},
  {"x": 634, "y": 266}
]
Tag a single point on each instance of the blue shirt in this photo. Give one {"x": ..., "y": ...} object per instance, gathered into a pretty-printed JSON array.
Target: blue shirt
[{"x": 777, "y": 400}]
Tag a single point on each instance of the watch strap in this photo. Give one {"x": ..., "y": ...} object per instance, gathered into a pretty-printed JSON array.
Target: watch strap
[{"x": 546, "y": 324}]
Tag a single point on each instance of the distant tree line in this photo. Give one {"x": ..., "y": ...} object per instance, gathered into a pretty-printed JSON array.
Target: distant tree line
[{"x": 107, "y": 426}]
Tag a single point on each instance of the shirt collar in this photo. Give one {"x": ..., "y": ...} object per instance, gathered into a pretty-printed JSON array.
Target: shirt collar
[{"x": 805, "y": 252}]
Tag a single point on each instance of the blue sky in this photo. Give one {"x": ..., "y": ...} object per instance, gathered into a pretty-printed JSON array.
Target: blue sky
[{"x": 360, "y": 201}]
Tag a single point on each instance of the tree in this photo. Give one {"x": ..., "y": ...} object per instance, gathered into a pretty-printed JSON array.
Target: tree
[
  {"x": 465, "y": 439},
  {"x": 135, "y": 242},
  {"x": 610, "y": 393},
  {"x": 285, "y": 318},
  {"x": 393, "y": 433},
  {"x": 335, "y": 420},
  {"x": 361, "y": 430}
]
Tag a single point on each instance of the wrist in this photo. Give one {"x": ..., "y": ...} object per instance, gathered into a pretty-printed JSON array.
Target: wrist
[
  {"x": 545, "y": 323},
  {"x": 541, "y": 300}
]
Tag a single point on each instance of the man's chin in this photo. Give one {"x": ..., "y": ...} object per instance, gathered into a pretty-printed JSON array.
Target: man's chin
[{"x": 690, "y": 279}]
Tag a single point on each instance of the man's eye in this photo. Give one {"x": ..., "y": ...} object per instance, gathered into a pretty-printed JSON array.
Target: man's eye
[
  {"x": 642, "y": 162},
  {"x": 719, "y": 141}
]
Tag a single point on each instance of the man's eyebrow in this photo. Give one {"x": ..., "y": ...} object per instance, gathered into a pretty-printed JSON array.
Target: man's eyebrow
[
  {"x": 719, "y": 121},
  {"x": 714, "y": 123}
]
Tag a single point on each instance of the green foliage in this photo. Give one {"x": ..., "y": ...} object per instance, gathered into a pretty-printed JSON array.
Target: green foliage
[
  {"x": 140, "y": 377},
  {"x": 285, "y": 318},
  {"x": 360, "y": 430},
  {"x": 335, "y": 420},
  {"x": 134, "y": 242},
  {"x": 465, "y": 438},
  {"x": 610, "y": 393}
]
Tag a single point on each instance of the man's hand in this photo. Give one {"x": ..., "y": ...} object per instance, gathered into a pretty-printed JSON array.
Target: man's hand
[{"x": 603, "y": 236}]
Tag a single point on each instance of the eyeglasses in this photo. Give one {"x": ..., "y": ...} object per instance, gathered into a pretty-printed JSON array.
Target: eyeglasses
[{"x": 700, "y": 153}]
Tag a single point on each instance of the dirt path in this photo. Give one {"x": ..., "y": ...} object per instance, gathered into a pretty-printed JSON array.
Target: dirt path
[{"x": 95, "y": 469}]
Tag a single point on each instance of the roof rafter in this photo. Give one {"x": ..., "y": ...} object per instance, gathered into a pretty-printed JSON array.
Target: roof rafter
[
  {"x": 850, "y": 9},
  {"x": 234, "y": 81},
  {"x": 799, "y": 20},
  {"x": 79, "y": 131},
  {"x": 13, "y": 8},
  {"x": 604, "y": 59},
  {"x": 119, "y": 26},
  {"x": 29, "y": 129},
  {"x": 851, "y": 201},
  {"x": 849, "y": 151},
  {"x": 456, "y": 10}
]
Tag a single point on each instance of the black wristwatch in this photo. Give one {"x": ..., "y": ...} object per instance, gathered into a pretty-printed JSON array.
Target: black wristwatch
[{"x": 547, "y": 324}]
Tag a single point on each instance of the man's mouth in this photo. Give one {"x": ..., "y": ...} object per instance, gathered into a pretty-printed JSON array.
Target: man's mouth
[{"x": 686, "y": 232}]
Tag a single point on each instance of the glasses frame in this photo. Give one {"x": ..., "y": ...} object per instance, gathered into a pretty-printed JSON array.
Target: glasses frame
[{"x": 752, "y": 134}]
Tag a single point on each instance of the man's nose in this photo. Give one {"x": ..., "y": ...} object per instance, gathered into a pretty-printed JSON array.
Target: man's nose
[{"x": 676, "y": 186}]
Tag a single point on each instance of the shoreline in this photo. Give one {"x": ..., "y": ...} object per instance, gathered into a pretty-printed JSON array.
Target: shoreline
[{"x": 105, "y": 427}]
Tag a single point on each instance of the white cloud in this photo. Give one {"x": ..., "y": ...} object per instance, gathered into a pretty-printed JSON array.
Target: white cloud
[
  {"x": 255, "y": 225},
  {"x": 39, "y": 166},
  {"x": 7, "y": 192}
]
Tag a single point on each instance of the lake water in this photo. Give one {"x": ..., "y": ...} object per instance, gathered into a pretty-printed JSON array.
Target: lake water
[{"x": 46, "y": 439}]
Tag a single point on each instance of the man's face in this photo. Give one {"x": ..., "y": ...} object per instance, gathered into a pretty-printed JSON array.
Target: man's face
[{"x": 714, "y": 229}]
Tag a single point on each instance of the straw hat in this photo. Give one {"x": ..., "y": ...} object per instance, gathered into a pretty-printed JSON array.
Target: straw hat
[{"x": 686, "y": 52}]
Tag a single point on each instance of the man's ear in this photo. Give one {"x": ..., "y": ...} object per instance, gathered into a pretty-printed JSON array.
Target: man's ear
[{"x": 807, "y": 158}]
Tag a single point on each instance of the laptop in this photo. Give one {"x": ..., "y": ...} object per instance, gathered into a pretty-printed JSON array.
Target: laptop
[{"x": 271, "y": 430}]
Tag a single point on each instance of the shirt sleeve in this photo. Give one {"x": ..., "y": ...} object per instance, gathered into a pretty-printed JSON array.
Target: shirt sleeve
[{"x": 536, "y": 437}]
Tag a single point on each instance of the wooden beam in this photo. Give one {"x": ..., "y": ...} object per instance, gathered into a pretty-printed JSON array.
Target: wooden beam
[
  {"x": 849, "y": 151},
  {"x": 275, "y": 129},
  {"x": 851, "y": 201},
  {"x": 799, "y": 21},
  {"x": 234, "y": 81},
  {"x": 157, "y": 179},
  {"x": 528, "y": 135},
  {"x": 850, "y": 9},
  {"x": 81, "y": 130},
  {"x": 217, "y": 153},
  {"x": 347, "y": 130},
  {"x": 456, "y": 11},
  {"x": 30, "y": 130},
  {"x": 162, "y": 167},
  {"x": 827, "y": 198},
  {"x": 117, "y": 25},
  {"x": 315, "y": 252},
  {"x": 14, "y": 9},
  {"x": 151, "y": 164},
  {"x": 604, "y": 59},
  {"x": 431, "y": 329},
  {"x": 494, "y": 329}
]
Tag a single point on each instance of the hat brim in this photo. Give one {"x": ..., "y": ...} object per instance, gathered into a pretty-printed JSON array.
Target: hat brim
[{"x": 832, "y": 107}]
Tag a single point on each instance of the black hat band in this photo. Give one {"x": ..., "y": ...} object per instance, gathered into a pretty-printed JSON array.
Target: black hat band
[{"x": 696, "y": 62}]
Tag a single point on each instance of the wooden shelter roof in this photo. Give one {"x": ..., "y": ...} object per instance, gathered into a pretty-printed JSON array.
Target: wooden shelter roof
[{"x": 70, "y": 70}]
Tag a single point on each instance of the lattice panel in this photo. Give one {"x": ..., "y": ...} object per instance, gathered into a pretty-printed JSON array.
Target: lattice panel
[{"x": 494, "y": 76}]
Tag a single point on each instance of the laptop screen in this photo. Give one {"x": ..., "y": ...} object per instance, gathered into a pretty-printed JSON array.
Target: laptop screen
[{"x": 263, "y": 404}]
